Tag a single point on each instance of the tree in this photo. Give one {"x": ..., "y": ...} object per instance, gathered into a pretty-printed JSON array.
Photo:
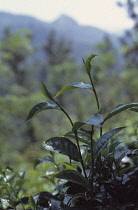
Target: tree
[
  {"x": 59, "y": 62},
  {"x": 57, "y": 50},
  {"x": 130, "y": 39},
  {"x": 15, "y": 48},
  {"x": 129, "y": 43}
]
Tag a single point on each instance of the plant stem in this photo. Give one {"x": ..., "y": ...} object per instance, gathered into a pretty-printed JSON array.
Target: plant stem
[
  {"x": 116, "y": 167},
  {"x": 95, "y": 93},
  {"x": 56, "y": 166},
  {"x": 101, "y": 131},
  {"x": 77, "y": 141},
  {"x": 100, "y": 161},
  {"x": 76, "y": 136},
  {"x": 63, "y": 110},
  {"x": 92, "y": 191}
]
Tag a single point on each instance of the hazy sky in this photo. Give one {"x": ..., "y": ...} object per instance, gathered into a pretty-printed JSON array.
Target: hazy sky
[{"x": 100, "y": 13}]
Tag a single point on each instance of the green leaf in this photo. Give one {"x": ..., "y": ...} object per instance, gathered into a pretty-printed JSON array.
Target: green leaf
[
  {"x": 87, "y": 63},
  {"x": 77, "y": 125},
  {"x": 62, "y": 145},
  {"x": 128, "y": 176},
  {"x": 69, "y": 166},
  {"x": 45, "y": 160},
  {"x": 82, "y": 137},
  {"x": 10, "y": 176},
  {"x": 6, "y": 202},
  {"x": 96, "y": 119},
  {"x": 36, "y": 162},
  {"x": 74, "y": 86},
  {"x": 9, "y": 168},
  {"x": 134, "y": 109},
  {"x": 20, "y": 182},
  {"x": 114, "y": 144},
  {"x": 46, "y": 92},
  {"x": 78, "y": 196},
  {"x": 22, "y": 174},
  {"x": 122, "y": 107},
  {"x": 3, "y": 185},
  {"x": 135, "y": 152},
  {"x": 31, "y": 202},
  {"x": 125, "y": 170},
  {"x": 102, "y": 142},
  {"x": 40, "y": 107},
  {"x": 73, "y": 176}
]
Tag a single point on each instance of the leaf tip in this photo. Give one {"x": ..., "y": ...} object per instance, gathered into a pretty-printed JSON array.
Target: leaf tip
[{"x": 28, "y": 120}]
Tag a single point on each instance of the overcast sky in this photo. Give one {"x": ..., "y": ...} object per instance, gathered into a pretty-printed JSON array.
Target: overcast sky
[{"x": 104, "y": 14}]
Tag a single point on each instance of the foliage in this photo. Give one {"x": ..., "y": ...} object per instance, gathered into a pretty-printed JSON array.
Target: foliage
[
  {"x": 130, "y": 39},
  {"x": 94, "y": 175},
  {"x": 19, "y": 83}
]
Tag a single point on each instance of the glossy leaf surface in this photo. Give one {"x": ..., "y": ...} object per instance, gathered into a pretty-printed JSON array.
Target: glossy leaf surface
[
  {"x": 73, "y": 176},
  {"x": 95, "y": 119},
  {"x": 122, "y": 107},
  {"x": 74, "y": 86},
  {"x": 40, "y": 107},
  {"x": 62, "y": 145},
  {"x": 102, "y": 142},
  {"x": 82, "y": 137}
]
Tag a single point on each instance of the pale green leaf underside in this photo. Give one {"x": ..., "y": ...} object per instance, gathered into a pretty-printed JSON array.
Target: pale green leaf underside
[
  {"x": 40, "y": 107},
  {"x": 74, "y": 86},
  {"x": 95, "y": 119},
  {"x": 122, "y": 107},
  {"x": 82, "y": 137}
]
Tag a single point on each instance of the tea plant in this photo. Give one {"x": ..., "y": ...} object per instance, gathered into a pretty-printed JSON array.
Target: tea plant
[
  {"x": 93, "y": 176},
  {"x": 11, "y": 183}
]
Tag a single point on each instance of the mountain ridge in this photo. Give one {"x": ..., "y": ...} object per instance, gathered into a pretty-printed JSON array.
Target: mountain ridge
[{"x": 83, "y": 37}]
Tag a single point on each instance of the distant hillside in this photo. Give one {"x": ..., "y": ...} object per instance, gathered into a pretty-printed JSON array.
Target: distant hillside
[{"x": 83, "y": 38}]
